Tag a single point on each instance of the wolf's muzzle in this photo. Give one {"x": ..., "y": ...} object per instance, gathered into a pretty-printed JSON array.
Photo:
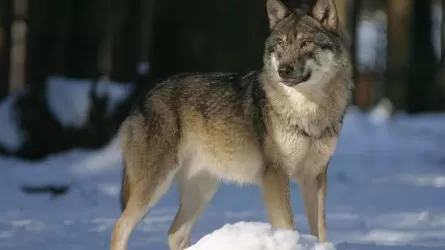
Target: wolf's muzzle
[{"x": 292, "y": 76}]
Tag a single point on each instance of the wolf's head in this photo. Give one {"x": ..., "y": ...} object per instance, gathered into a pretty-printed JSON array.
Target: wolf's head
[{"x": 304, "y": 47}]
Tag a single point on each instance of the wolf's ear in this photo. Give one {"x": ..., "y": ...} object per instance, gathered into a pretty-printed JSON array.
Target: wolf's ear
[
  {"x": 325, "y": 12},
  {"x": 276, "y": 10}
]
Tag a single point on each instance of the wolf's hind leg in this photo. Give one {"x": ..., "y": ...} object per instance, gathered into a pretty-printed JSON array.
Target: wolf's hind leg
[
  {"x": 143, "y": 195},
  {"x": 195, "y": 192}
]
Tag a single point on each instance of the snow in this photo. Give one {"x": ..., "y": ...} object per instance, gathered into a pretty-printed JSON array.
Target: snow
[
  {"x": 382, "y": 111},
  {"x": 69, "y": 94},
  {"x": 371, "y": 40},
  {"x": 257, "y": 236},
  {"x": 69, "y": 99},
  {"x": 385, "y": 192}
]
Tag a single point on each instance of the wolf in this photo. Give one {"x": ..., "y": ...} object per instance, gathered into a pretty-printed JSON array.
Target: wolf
[{"x": 266, "y": 127}]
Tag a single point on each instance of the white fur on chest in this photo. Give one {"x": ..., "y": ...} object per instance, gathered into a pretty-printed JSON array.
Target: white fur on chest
[
  {"x": 302, "y": 156},
  {"x": 232, "y": 163},
  {"x": 302, "y": 108}
]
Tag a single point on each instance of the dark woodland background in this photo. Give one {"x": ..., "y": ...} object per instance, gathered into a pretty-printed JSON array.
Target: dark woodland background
[{"x": 138, "y": 41}]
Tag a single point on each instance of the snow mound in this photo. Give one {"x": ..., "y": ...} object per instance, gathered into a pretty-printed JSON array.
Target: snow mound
[
  {"x": 69, "y": 98},
  {"x": 257, "y": 236},
  {"x": 11, "y": 138}
]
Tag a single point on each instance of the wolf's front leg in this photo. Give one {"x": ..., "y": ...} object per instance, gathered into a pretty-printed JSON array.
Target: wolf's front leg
[
  {"x": 313, "y": 190},
  {"x": 322, "y": 181},
  {"x": 276, "y": 195}
]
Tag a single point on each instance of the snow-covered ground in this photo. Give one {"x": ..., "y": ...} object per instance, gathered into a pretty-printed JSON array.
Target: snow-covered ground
[{"x": 386, "y": 191}]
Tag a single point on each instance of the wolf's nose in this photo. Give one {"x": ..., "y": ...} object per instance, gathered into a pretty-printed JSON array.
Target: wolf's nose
[{"x": 285, "y": 71}]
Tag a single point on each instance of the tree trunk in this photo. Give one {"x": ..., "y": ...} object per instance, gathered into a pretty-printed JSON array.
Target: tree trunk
[
  {"x": 5, "y": 46},
  {"x": 43, "y": 42},
  {"x": 143, "y": 60},
  {"x": 105, "y": 51},
  {"x": 398, "y": 50},
  {"x": 421, "y": 93},
  {"x": 125, "y": 42},
  {"x": 86, "y": 33},
  {"x": 59, "y": 56},
  {"x": 360, "y": 95},
  {"x": 183, "y": 36},
  {"x": 442, "y": 51},
  {"x": 441, "y": 75}
]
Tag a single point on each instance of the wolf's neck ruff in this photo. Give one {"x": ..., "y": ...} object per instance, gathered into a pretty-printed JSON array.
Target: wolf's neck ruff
[
  {"x": 295, "y": 109},
  {"x": 315, "y": 117}
]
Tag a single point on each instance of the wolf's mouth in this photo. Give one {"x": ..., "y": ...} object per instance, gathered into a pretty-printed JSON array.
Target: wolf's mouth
[
  {"x": 306, "y": 77},
  {"x": 297, "y": 80}
]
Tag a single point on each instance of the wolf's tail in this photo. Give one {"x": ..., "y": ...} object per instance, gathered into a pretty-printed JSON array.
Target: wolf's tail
[{"x": 125, "y": 189}]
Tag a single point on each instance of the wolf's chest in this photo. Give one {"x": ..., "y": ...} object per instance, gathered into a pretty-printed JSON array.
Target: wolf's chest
[{"x": 301, "y": 154}]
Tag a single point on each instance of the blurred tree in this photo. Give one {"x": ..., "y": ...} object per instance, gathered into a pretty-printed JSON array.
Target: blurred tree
[
  {"x": 412, "y": 65},
  {"x": 6, "y": 18},
  {"x": 422, "y": 95},
  {"x": 127, "y": 19},
  {"x": 200, "y": 35},
  {"x": 106, "y": 47},
  {"x": 60, "y": 59},
  {"x": 63, "y": 39},
  {"x": 442, "y": 51},
  {"x": 360, "y": 96},
  {"x": 441, "y": 78},
  {"x": 238, "y": 44},
  {"x": 129, "y": 36},
  {"x": 143, "y": 61},
  {"x": 66, "y": 39},
  {"x": 398, "y": 50},
  {"x": 183, "y": 32},
  {"x": 42, "y": 38},
  {"x": 86, "y": 30}
]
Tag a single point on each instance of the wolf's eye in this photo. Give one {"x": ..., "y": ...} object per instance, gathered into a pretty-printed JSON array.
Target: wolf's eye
[
  {"x": 280, "y": 42},
  {"x": 306, "y": 43}
]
